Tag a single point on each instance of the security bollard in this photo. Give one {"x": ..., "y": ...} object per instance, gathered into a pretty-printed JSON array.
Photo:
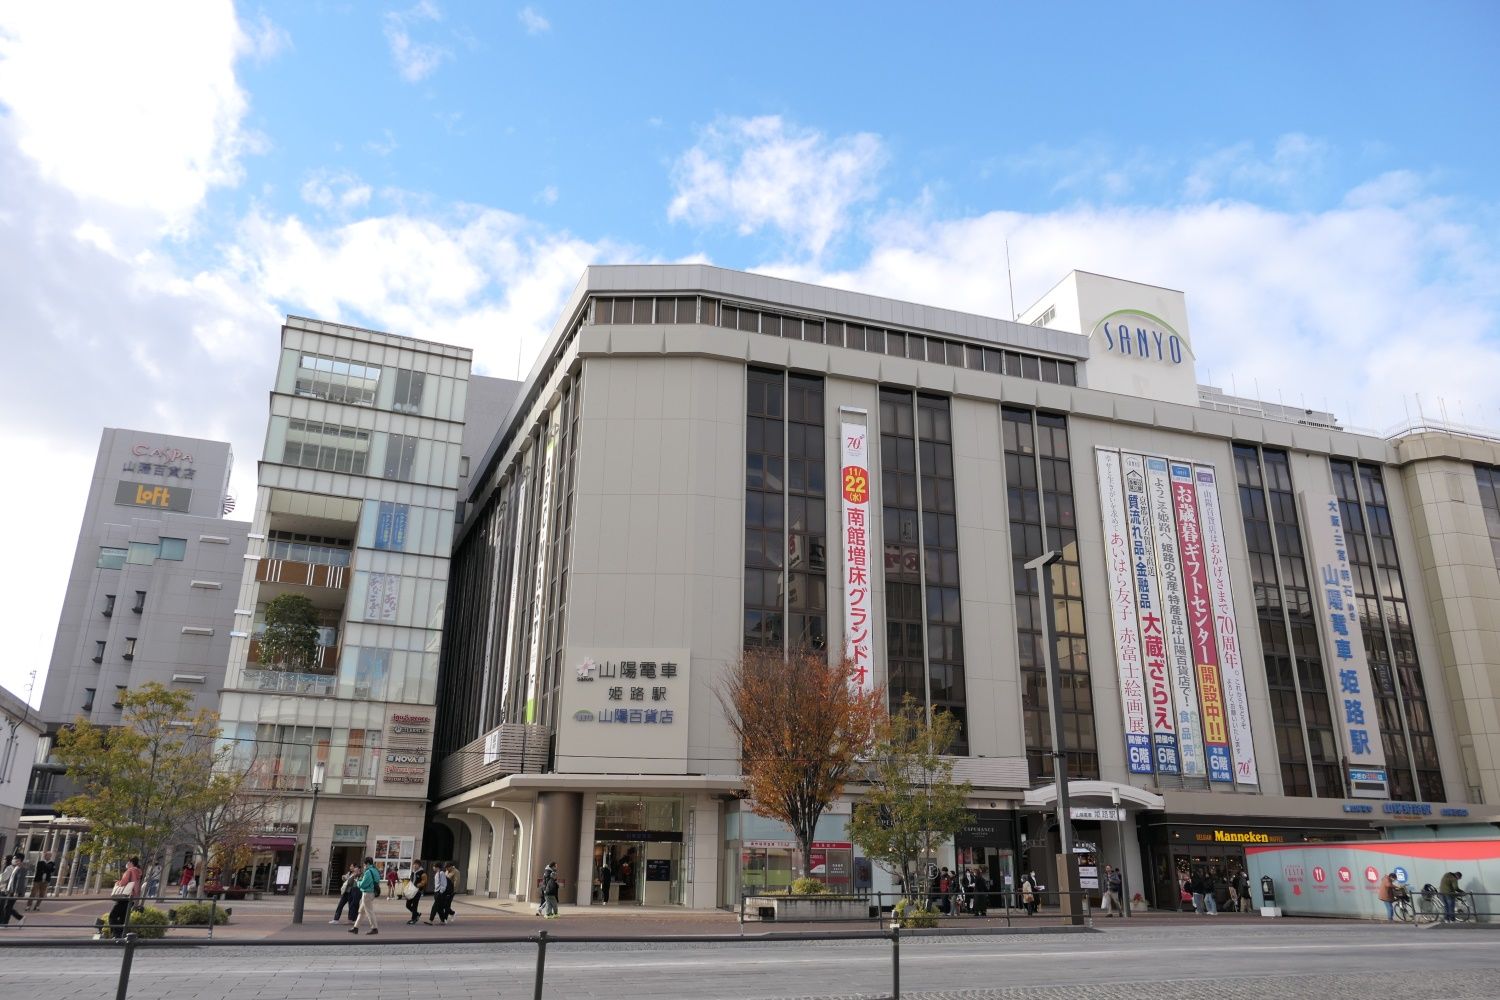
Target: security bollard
[
  {"x": 896, "y": 961},
  {"x": 541, "y": 965},
  {"x": 123, "y": 987}
]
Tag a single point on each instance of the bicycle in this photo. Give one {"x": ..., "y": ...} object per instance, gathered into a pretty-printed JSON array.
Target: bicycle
[
  {"x": 1402, "y": 907},
  {"x": 1463, "y": 907}
]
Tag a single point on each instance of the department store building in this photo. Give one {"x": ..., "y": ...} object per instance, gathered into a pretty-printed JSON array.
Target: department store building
[{"x": 1270, "y": 627}]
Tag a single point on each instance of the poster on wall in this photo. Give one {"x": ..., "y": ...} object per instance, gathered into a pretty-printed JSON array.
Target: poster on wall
[
  {"x": 1149, "y": 618},
  {"x": 508, "y": 654},
  {"x": 1122, "y": 614},
  {"x": 1204, "y": 645},
  {"x": 1174, "y": 617},
  {"x": 859, "y": 638},
  {"x": 1221, "y": 597},
  {"x": 1354, "y": 700}
]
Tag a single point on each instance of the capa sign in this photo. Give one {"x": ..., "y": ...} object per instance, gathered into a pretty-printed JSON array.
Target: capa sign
[{"x": 1131, "y": 334}]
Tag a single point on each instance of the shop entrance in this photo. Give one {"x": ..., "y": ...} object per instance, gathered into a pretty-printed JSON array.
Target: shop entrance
[
  {"x": 340, "y": 857},
  {"x": 637, "y": 852}
]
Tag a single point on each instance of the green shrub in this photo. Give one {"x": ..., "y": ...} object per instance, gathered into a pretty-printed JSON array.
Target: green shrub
[
  {"x": 197, "y": 914},
  {"x": 912, "y": 914},
  {"x": 149, "y": 923},
  {"x": 808, "y": 887}
]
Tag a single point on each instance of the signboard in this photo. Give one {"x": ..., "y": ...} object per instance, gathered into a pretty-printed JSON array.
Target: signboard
[
  {"x": 1122, "y": 614},
  {"x": 1149, "y": 617},
  {"x": 156, "y": 496},
  {"x": 1132, "y": 334},
  {"x": 491, "y": 748},
  {"x": 1174, "y": 616},
  {"x": 508, "y": 654},
  {"x": 859, "y": 637},
  {"x": 408, "y": 744},
  {"x": 658, "y": 870},
  {"x": 1106, "y": 814},
  {"x": 539, "y": 597},
  {"x": 347, "y": 834},
  {"x": 390, "y": 525},
  {"x": 1205, "y": 649},
  {"x": 1353, "y": 701},
  {"x": 624, "y": 703},
  {"x": 1231, "y": 668},
  {"x": 162, "y": 461}
]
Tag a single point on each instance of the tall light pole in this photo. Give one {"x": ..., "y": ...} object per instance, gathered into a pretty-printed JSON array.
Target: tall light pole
[
  {"x": 1114, "y": 794},
  {"x": 317, "y": 786},
  {"x": 1068, "y": 873}
]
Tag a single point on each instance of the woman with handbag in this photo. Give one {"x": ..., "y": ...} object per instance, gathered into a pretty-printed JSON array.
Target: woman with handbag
[{"x": 124, "y": 893}]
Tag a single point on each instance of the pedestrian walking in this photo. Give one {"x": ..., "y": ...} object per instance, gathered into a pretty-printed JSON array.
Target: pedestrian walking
[
  {"x": 348, "y": 896},
  {"x": 369, "y": 890},
  {"x": 391, "y": 878},
  {"x": 1028, "y": 893},
  {"x": 548, "y": 871},
  {"x": 125, "y": 892},
  {"x": 415, "y": 886},
  {"x": 981, "y": 894},
  {"x": 452, "y": 872},
  {"x": 1110, "y": 905},
  {"x": 12, "y": 881},
  {"x": 550, "y": 889},
  {"x": 153, "y": 881},
  {"x": 441, "y": 893},
  {"x": 41, "y": 881},
  {"x": 185, "y": 881},
  {"x": 1387, "y": 895}
]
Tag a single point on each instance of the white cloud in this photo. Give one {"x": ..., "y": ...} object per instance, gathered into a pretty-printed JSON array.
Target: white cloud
[
  {"x": 548, "y": 195},
  {"x": 415, "y": 60},
  {"x": 762, "y": 172},
  {"x": 137, "y": 116},
  {"x": 533, "y": 21},
  {"x": 264, "y": 39},
  {"x": 339, "y": 191},
  {"x": 1296, "y": 161}
]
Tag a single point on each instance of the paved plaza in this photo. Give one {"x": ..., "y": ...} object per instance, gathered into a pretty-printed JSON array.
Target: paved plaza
[{"x": 1161, "y": 958}]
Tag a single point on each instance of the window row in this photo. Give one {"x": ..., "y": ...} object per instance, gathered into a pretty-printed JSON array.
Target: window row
[{"x": 642, "y": 310}]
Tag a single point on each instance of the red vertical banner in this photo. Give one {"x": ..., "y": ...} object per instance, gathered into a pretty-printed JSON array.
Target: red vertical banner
[
  {"x": 1200, "y": 610},
  {"x": 854, "y": 478}
]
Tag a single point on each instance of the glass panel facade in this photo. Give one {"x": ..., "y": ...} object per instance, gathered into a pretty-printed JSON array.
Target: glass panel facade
[
  {"x": 1489, "y": 501},
  {"x": 1385, "y": 624},
  {"x": 1039, "y": 504}
]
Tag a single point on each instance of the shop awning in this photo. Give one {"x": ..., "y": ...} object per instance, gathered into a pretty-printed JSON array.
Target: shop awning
[{"x": 273, "y": 843}]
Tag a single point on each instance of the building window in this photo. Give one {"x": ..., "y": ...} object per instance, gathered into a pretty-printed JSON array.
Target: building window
[
  {"x": 311, "y": 444},
  {"x": 336, "y": 380},
  {"x": 1306, "y": 743},
  {"x": 1046, "y": 317},
  {"x": 315, "y": 549},
  {"x": 129, "y": 653},
  {"x": 172, "y": 549},
  {"x": 765, "y": 509},
  {"x": 400, "y": 455},
  {"x": 1489, "y": 501},
  {"x": 806, "y": 518},
  {"x": 1039, "y": 503},
  {"x": 119, "y": 701},
  {"x": 98, "y": 650},
  {"x": 109, "y": 605},
  {"x": 142, "y": 553},
  {"x": 140, "y": 602},
  {"x": 111, "y": 558},
  {"x": 939, "y": 507},
  {"x": 1385, "y": 623},
  {"x": 88, "y": 700},
  {"x": 408, "y": 397}
]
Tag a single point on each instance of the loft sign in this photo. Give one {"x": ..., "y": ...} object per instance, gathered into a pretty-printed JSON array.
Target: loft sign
[{"x": 1141, "y": 335}]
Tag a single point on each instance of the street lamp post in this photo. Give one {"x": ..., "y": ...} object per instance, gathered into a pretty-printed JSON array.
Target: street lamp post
[
  {"x": 1114, "y": 794},
  {"x": 317, "y": 786},
  {"x": 1068, "y": 873}
]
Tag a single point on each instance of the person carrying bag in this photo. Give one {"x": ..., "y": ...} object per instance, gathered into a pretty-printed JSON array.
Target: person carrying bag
[{"x": 125, "y": 892}]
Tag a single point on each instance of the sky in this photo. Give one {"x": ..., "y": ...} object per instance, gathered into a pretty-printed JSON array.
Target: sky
[{"x": 1318, "y": 178}]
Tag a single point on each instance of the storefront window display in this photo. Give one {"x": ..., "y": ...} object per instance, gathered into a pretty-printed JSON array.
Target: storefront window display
[
  {"x": 638, "y": 851},
  {"x": 761, "y": 855}
]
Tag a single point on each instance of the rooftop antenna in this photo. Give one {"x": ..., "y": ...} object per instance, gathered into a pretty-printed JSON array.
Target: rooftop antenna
[{"x": 1010, "y": 280}]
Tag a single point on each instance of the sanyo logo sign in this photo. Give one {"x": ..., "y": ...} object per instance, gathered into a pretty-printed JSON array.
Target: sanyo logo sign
[{"x": 1132, "y": 334}]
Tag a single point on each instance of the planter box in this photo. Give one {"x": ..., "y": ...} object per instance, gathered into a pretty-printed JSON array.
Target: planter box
[{"x": 794, "y": 908}]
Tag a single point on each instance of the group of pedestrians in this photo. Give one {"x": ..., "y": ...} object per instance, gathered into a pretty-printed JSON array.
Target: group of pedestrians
[
  {"x": 362, "y": 886},
  {"x": 13, "y": 888}
]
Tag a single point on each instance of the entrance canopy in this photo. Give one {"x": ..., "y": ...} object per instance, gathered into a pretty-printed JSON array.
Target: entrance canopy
[{"x": 1045, "y": 797}]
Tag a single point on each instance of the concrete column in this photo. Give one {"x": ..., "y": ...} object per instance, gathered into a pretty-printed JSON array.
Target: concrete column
[
  {"x": 520, "y": 883},
  {"x": 472, "y": 878},
  {"x": 556, "y": 839},
  {"x": 586, "y": 848}
]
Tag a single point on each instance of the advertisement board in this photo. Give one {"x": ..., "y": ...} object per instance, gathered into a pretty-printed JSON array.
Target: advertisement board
[
  {"x": 1123, "y": 614},
  {"x": 1149, "y": 617},
  {"x": 1174, "y": 615},
  {"x": 854, "y": 478}
]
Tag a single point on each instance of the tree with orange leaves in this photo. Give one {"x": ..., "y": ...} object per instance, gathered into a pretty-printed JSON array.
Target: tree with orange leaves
[{"x": 802, "y": 729}]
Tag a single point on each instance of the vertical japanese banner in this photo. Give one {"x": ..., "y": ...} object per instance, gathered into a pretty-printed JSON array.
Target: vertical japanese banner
[
  {"x": 859, "y": 641},
  {"x": 539, "y": 595},
  {"x": 1354, "y": 702},
  {"x": 1205, "y": 648},
  {"x": 1149, "y": 618},
  {"x": 1221, "y": 594},
  {"x": 1122, "y": 614},
  {"x": 1174, "y": 615},
  {"x": 508, "y": 658}
]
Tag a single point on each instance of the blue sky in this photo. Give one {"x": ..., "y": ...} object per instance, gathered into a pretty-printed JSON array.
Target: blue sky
[{"x": 1318, "y": 178}]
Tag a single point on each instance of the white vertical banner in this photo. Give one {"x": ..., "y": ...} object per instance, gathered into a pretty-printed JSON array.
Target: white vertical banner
[
  {"x": 1122, "y": 614},
  {"x": 1221, "y": 599},
  {"x": 1149, "y": 618},
  {"x": 1354, "y": 699},
  {"x": 1174, "y": 615},
  {"x": 508, "y": 657},
  {"x": 539, "y": 595},
  {"x": 854, "y": 479}
]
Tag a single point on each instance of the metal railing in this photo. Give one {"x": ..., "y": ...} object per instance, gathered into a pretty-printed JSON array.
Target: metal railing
[
  {"x": 995, "y": 907},
  {"x": 131, "y": 943}
]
